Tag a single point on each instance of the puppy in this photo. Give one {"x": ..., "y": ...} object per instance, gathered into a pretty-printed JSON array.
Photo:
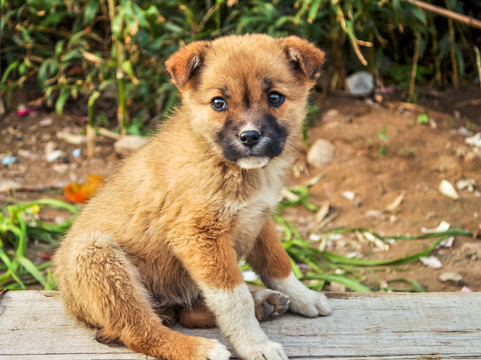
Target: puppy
[{"x": 167, "y": 231}]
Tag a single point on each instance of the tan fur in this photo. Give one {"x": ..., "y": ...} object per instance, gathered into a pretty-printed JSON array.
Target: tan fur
[{"x": 177, "y": 216}]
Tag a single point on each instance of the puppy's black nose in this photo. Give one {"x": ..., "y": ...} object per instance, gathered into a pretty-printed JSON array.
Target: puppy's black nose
[{"x": 250, "y": 137}]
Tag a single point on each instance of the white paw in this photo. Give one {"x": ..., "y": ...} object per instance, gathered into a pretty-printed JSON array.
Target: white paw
[
  {"x": 265, "y": 351},
  {"x": 310, "y": 304},
  {"x": 218, "y": 352}
]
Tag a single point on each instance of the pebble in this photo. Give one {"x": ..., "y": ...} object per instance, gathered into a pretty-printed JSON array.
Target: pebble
[
  {"x": 46, "y": 122},
  {"x": 50, "y": 146},
  {"x": 474, "y": 140},
  {"x": 70, "y": 138},
  {"x": 447, "y": 189},
  {"x": 54, "y": 155},
  {"x": 338, "y": 288},
  {"x": 6, "y": 185},
  {"x": 129, "y": 143},
  {"x": 432, "y": 262},
  {"x": 451, "y": 276},
  {"x": 27, "y": 154},
  {"x": 321, "y": 153},
  {"x": 9, "y": 160},
  {"x": 77, "y": 152}
]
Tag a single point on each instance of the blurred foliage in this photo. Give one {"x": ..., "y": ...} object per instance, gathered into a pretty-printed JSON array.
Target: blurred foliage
[{"x": 117, "y": 48}]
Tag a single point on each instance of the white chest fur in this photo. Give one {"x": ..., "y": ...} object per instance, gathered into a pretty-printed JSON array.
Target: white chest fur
[{"x": 250, "y": 215}]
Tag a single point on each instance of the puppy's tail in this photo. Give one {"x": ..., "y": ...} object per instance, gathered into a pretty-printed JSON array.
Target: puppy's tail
[{"x": 100, "y": 286}]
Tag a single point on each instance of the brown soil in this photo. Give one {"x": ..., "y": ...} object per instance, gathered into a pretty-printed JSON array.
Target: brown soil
[{"x": 418, "y": 158}]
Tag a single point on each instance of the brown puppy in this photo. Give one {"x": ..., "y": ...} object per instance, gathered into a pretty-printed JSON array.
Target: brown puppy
[{"x": 170, "y": 227}]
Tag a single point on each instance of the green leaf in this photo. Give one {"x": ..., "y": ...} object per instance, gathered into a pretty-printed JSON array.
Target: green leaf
[
  {"x": 12, "y": 269},
  {"x": 349, "y": 283},
  {"x": 314, "y": 9},
  {"x": 90, "y": 11},
  {"x": 62, "y": 99},
  {"x": 127, "y": 67},
  {"x": 366, "y": 262},
  {"x": 8, "y": 70},
  {"x": 418, "y": 14},
  {"x": 30, "y": 267},
  {"x": 423, "y": 118}
]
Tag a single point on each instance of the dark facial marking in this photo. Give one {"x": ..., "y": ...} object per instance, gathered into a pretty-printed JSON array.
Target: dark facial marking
[
  {"x": 246, "y": 95},
  {"x": 266, "y": 85},
  {"x": 270, "y": 144}
]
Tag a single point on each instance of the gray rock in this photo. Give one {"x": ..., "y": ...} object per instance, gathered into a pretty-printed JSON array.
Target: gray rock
[
  {"x": 360, "y": 83},
  {"x": 321, "y": 153}
]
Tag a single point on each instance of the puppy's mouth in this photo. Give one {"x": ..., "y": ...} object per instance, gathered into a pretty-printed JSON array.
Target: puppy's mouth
[
  {"x": 253, "y": 162},
  {"x": 251, "y": 146}
]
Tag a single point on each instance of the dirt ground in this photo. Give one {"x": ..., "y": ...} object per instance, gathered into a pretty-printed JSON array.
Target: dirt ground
[{"x": 381, "y": 154}]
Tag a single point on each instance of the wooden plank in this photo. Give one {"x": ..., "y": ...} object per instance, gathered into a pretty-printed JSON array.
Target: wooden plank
[{"x": 429, "y": 326}]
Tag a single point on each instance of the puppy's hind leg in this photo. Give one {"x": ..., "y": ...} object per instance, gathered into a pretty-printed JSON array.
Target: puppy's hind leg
[{"x": 104, "y": 288}]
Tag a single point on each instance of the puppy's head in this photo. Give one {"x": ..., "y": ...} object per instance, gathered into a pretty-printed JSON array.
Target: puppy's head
[{"x": 246, "y": 94}]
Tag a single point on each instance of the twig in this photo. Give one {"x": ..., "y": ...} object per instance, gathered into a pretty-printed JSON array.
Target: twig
[
  {"x": 468, "y": 20},
  {"x": 472, "y": 102},
  {"x": 3, "y": 292},
  {"x": 452, "y": 52},
  {"x": 478, "y": 63}
]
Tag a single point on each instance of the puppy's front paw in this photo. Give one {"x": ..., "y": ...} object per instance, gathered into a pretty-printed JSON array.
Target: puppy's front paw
[
  {"x": 311, "y": 304},
  {"x": 217, "y": 351},
  {"x": 269, "y": 304},
  {"x": 265, "y": 351}
]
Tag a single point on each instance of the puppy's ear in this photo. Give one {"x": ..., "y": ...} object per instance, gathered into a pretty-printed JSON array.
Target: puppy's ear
[
  {"x": 304, "y": 56},
  {"x": 185, "y": 62}
]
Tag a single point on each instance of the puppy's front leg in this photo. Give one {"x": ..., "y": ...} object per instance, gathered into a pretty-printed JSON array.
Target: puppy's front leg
[
  {"x": 271, "y": 262},
  {"x": 213, "y": 266}
]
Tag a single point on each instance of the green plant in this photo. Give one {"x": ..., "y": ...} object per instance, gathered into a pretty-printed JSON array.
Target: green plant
[
  {"x": 18, "y": 223},
  {"x": 383, "y": 149},
  {"x": 118, "y": 47}
]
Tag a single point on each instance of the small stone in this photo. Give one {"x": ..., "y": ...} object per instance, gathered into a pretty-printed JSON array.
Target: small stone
[
  {"x": 447, "y": 189},
  {"x": 50, "y": 146},
  {"x": 330, "y": 114},
  {"x": 451, "y": 276},
  {"x": 321, "y": 153},
  {"x": 61, "y": 168},
  {"x": 9, "y": 160},
  {"x": 6, "y": 185},
  {"x": 339, "y": 288},
  {"x": 129, "y": 143},
  {"x": 46, "y": 122},
  {"x": 54, "y": 155},
  {"x": 27, "y": 154},
  {"x": 432, "y": 262}
]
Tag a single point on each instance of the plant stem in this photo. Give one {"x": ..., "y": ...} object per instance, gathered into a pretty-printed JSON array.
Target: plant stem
[
  {"x": 478, "y": 63},
  {"x": 452, "y": 53},
  {"x": 414, "y": 68},
  {"x": 122, "y": 116}
]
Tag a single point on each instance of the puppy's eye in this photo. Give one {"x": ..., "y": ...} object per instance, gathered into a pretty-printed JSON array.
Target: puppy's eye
[
  {"x": 218, "y": 104},
  {"x": 275, "y": 98}
]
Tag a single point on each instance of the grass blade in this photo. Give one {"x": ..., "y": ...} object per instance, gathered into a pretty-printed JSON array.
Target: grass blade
[
  {"x": 31, "y": 268},
  {"x": 347, "y": 282}
]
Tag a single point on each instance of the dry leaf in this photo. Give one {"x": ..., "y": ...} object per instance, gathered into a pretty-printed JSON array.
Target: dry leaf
[{"x": 80, "y": 193}]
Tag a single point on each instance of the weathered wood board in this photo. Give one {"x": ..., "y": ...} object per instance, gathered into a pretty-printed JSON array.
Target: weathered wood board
[{"x": 429, "y": 326}]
